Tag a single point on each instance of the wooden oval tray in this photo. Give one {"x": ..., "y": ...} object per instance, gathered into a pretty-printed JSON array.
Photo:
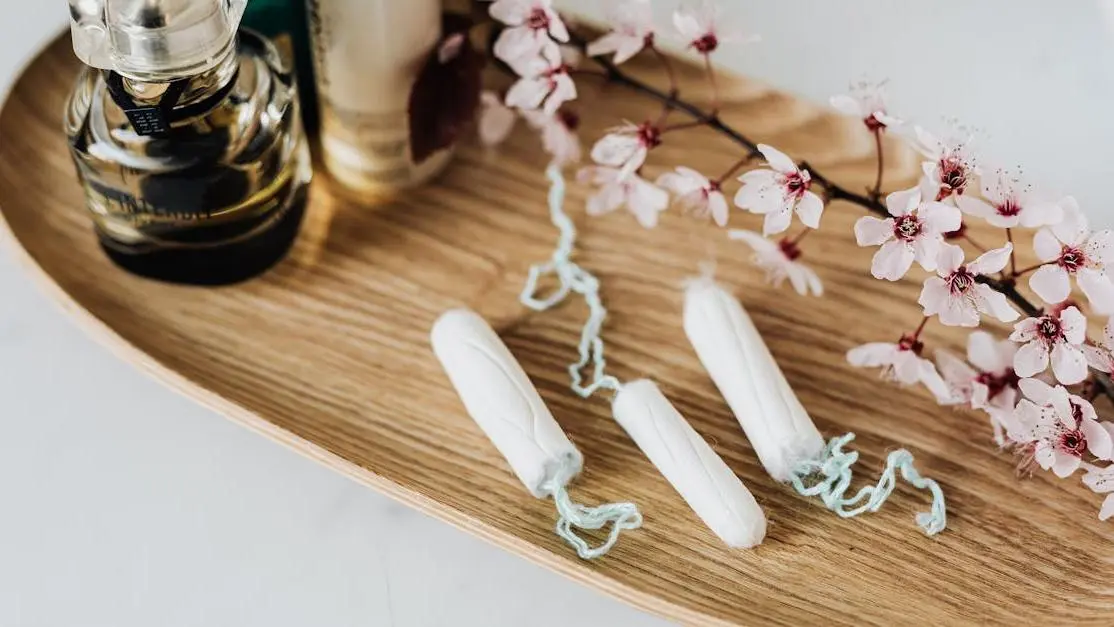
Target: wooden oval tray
[{"x": 328, "y": 354}]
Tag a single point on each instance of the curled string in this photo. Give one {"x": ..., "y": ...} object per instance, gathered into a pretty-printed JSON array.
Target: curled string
[
  {"x": 831, "y": 477},
  {"x": 571, "y": 516},
  {"x": 571, "y": 278}
]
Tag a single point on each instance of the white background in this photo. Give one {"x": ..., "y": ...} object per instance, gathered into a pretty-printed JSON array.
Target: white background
[{"x": 124, "y": 505}]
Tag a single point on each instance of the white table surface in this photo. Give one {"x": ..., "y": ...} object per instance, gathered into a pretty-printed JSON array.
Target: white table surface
[{"x": 126, "y": 505}]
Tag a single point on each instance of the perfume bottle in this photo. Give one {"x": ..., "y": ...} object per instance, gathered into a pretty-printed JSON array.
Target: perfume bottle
[
  {"x": 368, "y": 55},
  {"x": 187, "y": 138},
  {"x": 284, "y": 22}
]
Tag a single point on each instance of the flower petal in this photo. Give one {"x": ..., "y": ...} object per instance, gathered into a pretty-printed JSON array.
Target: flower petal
[
  {"x": 608, "y": 198},
  {"x": 615, "y": 149},
  {"x": 1051, "y": 284},
  {"x": 1098, "y": 439},
  {"x": 1040, "y": 213},
  {"x": 527, "y": 93},
  {"x": 940, "y": 218},
  {"x": 1100, "y": 247},
  {"x": 1064, "y": 464},
  {"x": 892, "y": 261},
  {"x": 949, "y": 259},
  {"x": 991, "y": 261},
  {"x": 810, "y": 209},
  {"x": 1107, "y": 510},
  {"x": 903, "y": 202},
  {"x": 934, "y": 295},
  {"x": 995, "y": 303},
  {"x": 1046, "y": 246},
  {"x": 1098, "y": 288},
  {"x": 935, "y": 384},
  {"x": 777, "y": 221},
  {"x": 982, "y": 351},
  {"x": 872, "y": 355},
  {"x": 756, "y": 242},
  {"x": 1025, "y": 331},
  {"x": 1098, "y": 358},
  {"x": 975, "y": 207},
  {"x": 1073, "y": 325},
  {"x": 1068, "y": 364},
  {"x": 777, "y": 159},
  {"x": 717, "y": 207},
  {"x": 1031, "y": 359},
  {"x": 926, "y": 249},
  {"x": 871, "y": 231}
]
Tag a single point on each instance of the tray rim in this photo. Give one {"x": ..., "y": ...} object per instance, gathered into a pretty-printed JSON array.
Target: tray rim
[{"x": 92, "y": 326}]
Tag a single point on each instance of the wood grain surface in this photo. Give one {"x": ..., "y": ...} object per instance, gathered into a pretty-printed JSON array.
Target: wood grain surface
[{"x": 329, "y": 354}]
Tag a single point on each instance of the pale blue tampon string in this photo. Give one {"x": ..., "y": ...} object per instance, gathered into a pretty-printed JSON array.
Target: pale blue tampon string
[
  {"x": 621, "y": 516},
  {"x": 835, "y": 468},
  {"x": 571, "y": 278}
]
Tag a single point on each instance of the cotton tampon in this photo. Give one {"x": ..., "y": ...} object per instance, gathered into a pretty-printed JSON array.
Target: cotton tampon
[
  {"x": 701, "y": 477},
  {"x": 504, "y": 403},
  {"x": 501, "y": 399},
  {"x": 749, "y": 379},
  {"x": 781, "y": 432}
]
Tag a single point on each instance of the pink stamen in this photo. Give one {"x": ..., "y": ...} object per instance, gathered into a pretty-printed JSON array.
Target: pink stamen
[
  {"x": 907, "y": 227},
  {"x": 1072, "y": 259},
  {"x": 706, "y": 44},
  {"x": 538, "y": 20}
]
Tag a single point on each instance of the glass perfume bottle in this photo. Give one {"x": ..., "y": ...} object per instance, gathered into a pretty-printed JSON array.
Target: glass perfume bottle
[
  {"x": 284, "y": 22},
  {"x": 187, "y": 137}
]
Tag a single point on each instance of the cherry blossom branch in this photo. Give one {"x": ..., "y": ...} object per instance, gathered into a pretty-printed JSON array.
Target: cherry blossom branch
[{"x": 834, "y": 191}]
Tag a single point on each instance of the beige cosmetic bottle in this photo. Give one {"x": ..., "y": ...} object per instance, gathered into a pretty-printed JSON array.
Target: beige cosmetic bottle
[{"x": 368, "y": 54}]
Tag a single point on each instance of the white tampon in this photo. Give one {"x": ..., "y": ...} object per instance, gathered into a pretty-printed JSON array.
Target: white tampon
[
  {"x": 749, "y": 379},
  {"x": 500, "y": 398},
  {"x": 701, "y": 477},
  {"x": 504, "y": 403}
]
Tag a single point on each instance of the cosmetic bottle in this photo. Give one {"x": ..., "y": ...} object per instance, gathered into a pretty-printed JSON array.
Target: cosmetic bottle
[
  {"x": 284, "y": 23},
  {"x": 367, "y": 56},
  {"x": 187, "y": 138}
]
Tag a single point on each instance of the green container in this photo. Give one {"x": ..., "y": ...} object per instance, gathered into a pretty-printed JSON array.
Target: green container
[{"x": 284, "y": 21}]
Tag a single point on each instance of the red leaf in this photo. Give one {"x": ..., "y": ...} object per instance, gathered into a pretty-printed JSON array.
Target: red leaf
[{"x": 446, "y": 95}]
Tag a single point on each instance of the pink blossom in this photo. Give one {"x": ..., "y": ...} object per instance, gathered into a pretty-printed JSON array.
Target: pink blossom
[
  {"x": 642, "y": 198},
  {"x": 1010, "y": 203},
  {"x": 632, "y": 29},
  {"x": 696, "y": 194},
  {"x": 1101, "y": 481},
  {"x": 1101, "y": 357},
  {"x": 901, "y": 362},
  {"x": 779, "y": 260},
  {"x": 558, "y": 133},
  {"x": 867, "y": 101},
  {"x": 699, "y": 25},
  {"x": 778, "y": 192},
  {"x": 950, "y": 169},
  {"x": 915, "y": 232},
  {"x": 1062, "y": 428},
  {"x": 626, "y": 147},
  {"x": 496, "y": 119},
  {"x": 956, "y": 297},
  {"x": 1059, "y": 335},
  {"x": 544, "y": 82},
  {"x": 533, "y": 27},
  {"x": 1071, "y": 249},
  {"x": 990, "y": 381}
]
